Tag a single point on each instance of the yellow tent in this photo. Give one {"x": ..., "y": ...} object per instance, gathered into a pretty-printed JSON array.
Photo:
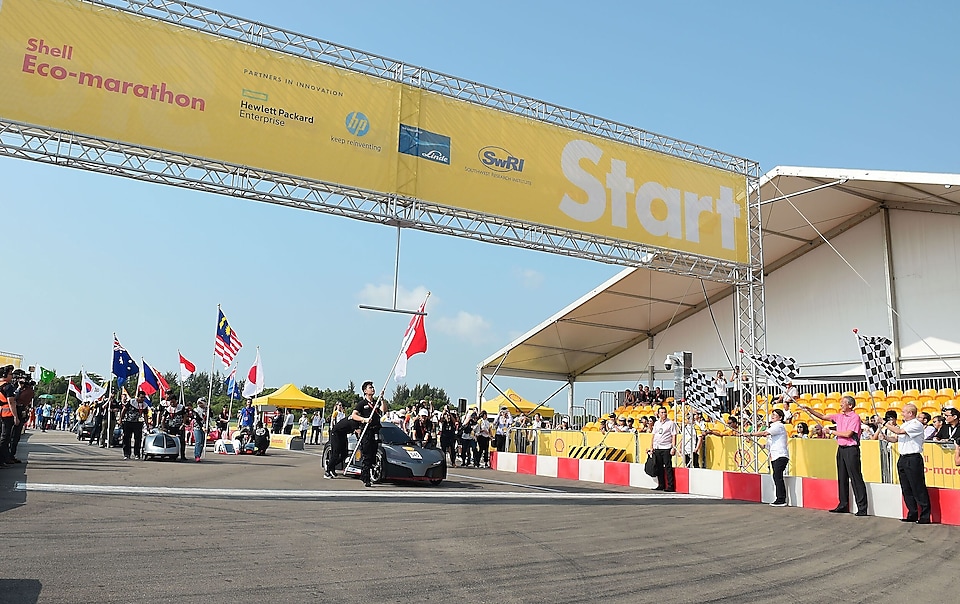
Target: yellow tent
[
  {"x": 290, "y": 397},
  {"x": 515, "y": 404}
]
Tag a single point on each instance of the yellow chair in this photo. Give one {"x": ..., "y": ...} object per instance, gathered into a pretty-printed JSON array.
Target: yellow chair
[
  {"x": 819, "y": 396},
  {"x": 848, "y": 393},
  {"x": 835, "y": 395},
  {"x": 910, "y": 394},
  {"x": 805, "y": 396},
  {"x": 931, "y": 392},
  {"x": 831, "y": 410},
  {"x": 881, "y": 394},
  {"x": 896, "y": 403},
  {"x": 931, "y": 410},
  {"x": 896, "y": 393},
  {"x": 948, "y": 392},
  {"x": 941, "y": 399}
]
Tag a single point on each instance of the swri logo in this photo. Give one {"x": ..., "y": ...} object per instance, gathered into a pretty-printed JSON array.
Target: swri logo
[
  {"x": 499, "y": 159},
  {"x": 422, "y": 143},
  {"x": 357, "y": 123}
]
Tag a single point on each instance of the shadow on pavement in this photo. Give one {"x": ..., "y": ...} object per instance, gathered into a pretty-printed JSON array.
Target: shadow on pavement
[{"x": 19, "y": 591}]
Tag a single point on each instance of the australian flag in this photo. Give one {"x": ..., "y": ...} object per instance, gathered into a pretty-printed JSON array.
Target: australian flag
[{"x": 123, "y": 364}]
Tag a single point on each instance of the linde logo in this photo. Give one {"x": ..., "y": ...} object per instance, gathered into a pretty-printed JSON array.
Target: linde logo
[
  {"x": 683, "y": 207},
  {"x": 499, "y": 159}
]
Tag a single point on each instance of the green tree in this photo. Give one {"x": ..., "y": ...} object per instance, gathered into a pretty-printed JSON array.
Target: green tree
[{"x": 403, "y": 396}]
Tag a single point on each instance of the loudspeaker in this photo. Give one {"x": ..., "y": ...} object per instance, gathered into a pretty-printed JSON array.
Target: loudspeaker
[{"x": 462, "y": 405}]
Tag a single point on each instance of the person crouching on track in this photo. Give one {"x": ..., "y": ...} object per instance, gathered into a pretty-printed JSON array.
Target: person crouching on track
[
  {"x": 338, "y": 444},
  {"x": 132, "y": 414},
  {"x": 261, "y": 439},
  {"x": 174, "y": 421}
]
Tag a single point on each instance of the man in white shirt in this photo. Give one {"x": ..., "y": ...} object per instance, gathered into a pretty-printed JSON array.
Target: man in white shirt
[
  {"x": 663, "y": 449},
  {"x": 909, "y": 439}
]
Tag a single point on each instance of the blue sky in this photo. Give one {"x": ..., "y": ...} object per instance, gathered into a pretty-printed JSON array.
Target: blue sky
[{"x": 867, "y": 85}]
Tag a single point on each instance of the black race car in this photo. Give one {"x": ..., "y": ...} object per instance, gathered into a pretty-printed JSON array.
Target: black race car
[{"x": 398, "y": 458}]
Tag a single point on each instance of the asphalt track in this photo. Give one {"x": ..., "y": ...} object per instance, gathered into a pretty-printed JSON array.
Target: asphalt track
[{"x": 79, "y": 524}]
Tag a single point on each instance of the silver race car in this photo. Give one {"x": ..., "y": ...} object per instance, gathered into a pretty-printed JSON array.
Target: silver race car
[{"x": 398, "y": 458}]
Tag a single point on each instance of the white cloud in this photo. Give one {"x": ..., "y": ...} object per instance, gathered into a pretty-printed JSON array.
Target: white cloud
[
  {"x": 529, "y": 278},
  {"x": 382, "y": 295},
  {"x": 465, "y": 326}
]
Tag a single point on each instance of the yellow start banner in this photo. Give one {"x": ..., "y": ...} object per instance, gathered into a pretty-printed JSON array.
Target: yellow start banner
[{"x": 79, "y": 67}]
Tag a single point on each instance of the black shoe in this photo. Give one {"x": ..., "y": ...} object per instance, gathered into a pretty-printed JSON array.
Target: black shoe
[
  {"x": 923, "y": 521},
  {"x": 861, "y": 513},
  {"x": 368, "y": 484},
  {"x": 838, "y": 510},
  {"x": 908, "y": 519},
  {"x": 658, "y": 489},
  {"x": 15, "y": 460}
]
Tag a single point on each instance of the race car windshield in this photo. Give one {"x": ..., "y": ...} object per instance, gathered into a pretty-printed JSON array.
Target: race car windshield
[{"x": 390, "y": 434}]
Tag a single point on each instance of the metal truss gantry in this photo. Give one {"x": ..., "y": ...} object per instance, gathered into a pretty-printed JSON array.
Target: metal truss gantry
[{"x": 46, "y": 145}]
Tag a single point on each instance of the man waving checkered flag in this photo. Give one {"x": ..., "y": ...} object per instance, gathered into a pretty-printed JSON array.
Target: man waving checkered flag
[
  {"x": 699, "y": 393},
  {"x": 780, "y": 368},
  {"x": 877, "y": 362}
]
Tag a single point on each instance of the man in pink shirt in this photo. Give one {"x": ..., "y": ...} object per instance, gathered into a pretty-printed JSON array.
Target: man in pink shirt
[{"x": 847, "y": 431}]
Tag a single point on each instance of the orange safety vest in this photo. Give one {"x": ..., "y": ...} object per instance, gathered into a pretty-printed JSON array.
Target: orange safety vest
[{"x": 5, "y": 410}]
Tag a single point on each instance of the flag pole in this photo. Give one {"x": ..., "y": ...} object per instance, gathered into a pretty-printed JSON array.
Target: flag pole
[
  {"x": 233, "y": 393},
  {"x": 403, "y": 351},
  {"x": 213, "y": 364}
]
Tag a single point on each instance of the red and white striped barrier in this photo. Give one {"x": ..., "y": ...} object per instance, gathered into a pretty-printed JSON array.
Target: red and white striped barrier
[{"x": 814, "y": 493}]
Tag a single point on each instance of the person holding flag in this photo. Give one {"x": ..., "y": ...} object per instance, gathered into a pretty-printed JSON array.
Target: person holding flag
[
  {"x": 132, "y": 416},
  {"x": 367, "y": 413}
]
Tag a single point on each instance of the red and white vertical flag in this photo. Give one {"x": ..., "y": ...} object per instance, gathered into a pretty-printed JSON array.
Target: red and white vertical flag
[
  {"x": 71, "y": 387},
  {"x": 186, "y": 368},
  {"x": 414, "y": 341},
  {"x": 254, "y": 385}
]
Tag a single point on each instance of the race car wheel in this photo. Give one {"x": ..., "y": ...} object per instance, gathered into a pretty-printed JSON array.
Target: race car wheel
[
  {"x": 325, "y": 457},
  {"x": 435, "y": 481},
  {"x": 377, "y": 471}
]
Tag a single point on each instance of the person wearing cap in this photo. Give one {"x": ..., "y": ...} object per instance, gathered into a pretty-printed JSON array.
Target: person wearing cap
[
  {"x": 198, "y": 418},
  {"x": 422, "y": 430},
  {"x": 789, "y": 396},
  {"x": 9, "y": 418},
  {"x": 913, "y": 486}
]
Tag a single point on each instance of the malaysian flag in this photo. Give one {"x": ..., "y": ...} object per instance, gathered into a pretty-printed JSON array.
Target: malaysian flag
[
  {"x": 699, "y": 393},
  {"x": 780, "y": 368},
  {"x": 877, "y": 362},
  {"x": 227, "y": 344}
]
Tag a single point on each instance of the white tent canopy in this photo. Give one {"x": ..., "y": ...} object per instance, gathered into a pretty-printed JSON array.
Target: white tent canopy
[{"x": 899, "y": 232}]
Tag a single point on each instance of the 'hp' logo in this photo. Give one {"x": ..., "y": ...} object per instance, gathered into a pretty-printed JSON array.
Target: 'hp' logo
[{"x": 357, "y": 124}]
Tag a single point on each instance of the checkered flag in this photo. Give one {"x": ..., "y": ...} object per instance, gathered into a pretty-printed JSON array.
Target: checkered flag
[
  {"x": 699, "y": 393},
  {"x": 779, "y": 367},
  {"x": 877, "y": 362}
]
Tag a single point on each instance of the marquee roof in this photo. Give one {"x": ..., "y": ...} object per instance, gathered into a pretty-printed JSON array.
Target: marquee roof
[{"x": 800, "y": 209}]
